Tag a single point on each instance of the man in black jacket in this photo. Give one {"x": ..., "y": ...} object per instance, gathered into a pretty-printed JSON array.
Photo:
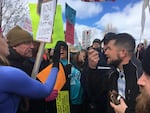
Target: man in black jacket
[
  {"x": 119, "y": 53},
  {"x": 93, "y": 81},
  {"x": 123, "y": 78}
]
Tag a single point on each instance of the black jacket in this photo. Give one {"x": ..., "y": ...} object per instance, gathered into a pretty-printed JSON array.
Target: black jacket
[
  {"x": 94, "y": 83},
  {"x": 131, "y": 90}
]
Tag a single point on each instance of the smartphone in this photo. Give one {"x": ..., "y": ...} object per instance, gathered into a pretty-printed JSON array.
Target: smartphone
[
  {"x": 96, "y": 49},
  {"x": 114, "y": 97}
]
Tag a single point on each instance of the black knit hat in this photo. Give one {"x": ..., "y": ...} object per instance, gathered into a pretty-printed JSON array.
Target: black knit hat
[
  {"x": 146, "y": 61},
  {"x": 107, "y": 37}
]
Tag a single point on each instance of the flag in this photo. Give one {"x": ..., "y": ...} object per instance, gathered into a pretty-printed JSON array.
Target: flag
[
  {"x": 70, "y": 14},
  {"x": 70, "y": 21},
  {"x": 97, "y": 0},
  {"x": 145, "y": 5},
  {"x": 69, "y": 32}
]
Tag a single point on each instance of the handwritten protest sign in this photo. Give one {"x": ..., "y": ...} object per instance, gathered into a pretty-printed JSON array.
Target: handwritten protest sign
[
  {"x": 62, "y": 102},
  {"x": 58, "y": 30},
  {"x": 45, "y": 27}
]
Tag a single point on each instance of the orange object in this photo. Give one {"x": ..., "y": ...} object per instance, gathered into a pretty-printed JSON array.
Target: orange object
[{"x": 61, "y": 78}]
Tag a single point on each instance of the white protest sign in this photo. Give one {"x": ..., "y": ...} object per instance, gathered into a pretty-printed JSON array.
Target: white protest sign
[{"x": 45, "y": 27}]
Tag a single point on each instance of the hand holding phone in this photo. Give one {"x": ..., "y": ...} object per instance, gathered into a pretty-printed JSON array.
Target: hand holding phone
[{"x": 114, "y": 97}]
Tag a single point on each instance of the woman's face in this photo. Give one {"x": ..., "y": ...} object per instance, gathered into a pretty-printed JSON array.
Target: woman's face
[
  {"x": 82, "y": 56},
  {"x": 63, "y": 53},
  {"x": 4, "y": 50}
]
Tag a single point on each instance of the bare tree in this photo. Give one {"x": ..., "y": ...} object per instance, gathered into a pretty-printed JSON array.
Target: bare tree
[
  {"x": 0, "y": 13},
  {"x": 13, "y": 12}
]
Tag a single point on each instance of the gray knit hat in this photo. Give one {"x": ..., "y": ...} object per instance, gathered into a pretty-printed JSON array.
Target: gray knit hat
[{"x": 17, "y": 36}]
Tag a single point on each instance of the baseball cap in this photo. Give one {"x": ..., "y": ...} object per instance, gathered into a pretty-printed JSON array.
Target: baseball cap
[{"x": 97, "y": 41}]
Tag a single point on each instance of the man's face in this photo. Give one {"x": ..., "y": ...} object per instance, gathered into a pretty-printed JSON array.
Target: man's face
[
  {"x": 143, "y": 100},
  {"x": 25, "y": 49},
  {"x": 144, "y": 83},
  {"x": 113, "y": 54},
  {"x": 96, "y": 45}
]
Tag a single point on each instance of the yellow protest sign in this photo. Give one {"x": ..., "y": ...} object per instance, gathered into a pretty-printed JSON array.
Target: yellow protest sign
[
  {"x": 58, "y": 30},
  {"x": 62, "y": 102}
]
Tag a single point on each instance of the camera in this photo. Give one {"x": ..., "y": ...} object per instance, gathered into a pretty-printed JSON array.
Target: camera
[{"x": 114, "y": 97}]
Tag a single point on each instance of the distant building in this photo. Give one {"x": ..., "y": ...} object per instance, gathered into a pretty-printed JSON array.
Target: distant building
[{"x": 86, "y": 38}]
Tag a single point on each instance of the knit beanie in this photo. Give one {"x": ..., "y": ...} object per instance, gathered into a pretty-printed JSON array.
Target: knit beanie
[
  {"x": 146, "y": 61},
  {"x": 17, "y": 36}
]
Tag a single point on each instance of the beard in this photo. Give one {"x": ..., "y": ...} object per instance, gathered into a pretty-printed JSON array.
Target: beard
[
  {"x": 115, "y": 63},
  {"x": 143, "y": 103}
]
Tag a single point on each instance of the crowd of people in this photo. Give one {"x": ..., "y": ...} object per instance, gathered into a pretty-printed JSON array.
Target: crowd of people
[{"x": 109, "y": 70}]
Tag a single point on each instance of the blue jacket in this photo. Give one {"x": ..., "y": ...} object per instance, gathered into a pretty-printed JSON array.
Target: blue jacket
[
  {"x": 75, "y": 85},
  {"x": 15, "y": 83}
]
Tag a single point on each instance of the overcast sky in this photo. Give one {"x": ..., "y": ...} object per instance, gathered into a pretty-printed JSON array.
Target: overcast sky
[{"x": 124, "y": 16}]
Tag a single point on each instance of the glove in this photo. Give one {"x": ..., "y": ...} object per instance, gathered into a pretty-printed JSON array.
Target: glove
[
  {"x": 52, "y": 96},
  {"x": 67, "y": 69},
  {"x": 56, "y": 56}
]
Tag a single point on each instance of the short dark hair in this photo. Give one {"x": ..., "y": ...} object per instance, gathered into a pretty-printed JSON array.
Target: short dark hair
[
  {"x": 126, "y": 41},
  {"x": 107, "y": 37}
]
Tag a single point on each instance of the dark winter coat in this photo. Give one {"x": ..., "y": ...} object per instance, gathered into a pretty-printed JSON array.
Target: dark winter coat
[
  {"x": 131, "y": 90},
  {"x": 94, "y": 83}
]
